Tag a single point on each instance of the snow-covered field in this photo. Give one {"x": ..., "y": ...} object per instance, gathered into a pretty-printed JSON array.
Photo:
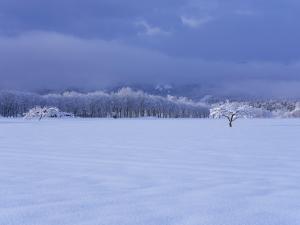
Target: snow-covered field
[{"x": 149, "y": 172}]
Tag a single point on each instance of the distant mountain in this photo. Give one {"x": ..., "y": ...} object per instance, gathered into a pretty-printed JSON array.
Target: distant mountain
[
  {"x": 193, "y": 91},
  {"x": 196, "y": 92}
]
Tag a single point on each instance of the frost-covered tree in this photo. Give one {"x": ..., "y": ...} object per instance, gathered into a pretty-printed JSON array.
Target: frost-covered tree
[
  {"x": 295, "y": 113},
  {"x": 45, "y": 112},
  {"x": 231, "y": 111}
]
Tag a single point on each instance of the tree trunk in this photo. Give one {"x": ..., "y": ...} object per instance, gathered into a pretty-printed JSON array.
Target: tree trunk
[{"x": 231, "y": 119}]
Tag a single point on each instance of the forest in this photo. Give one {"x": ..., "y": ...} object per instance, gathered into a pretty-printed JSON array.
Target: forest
[{"x": 124, "y": 103}]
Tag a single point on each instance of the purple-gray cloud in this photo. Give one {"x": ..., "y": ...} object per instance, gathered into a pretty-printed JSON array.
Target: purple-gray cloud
[{"x": 226, "y": 46}]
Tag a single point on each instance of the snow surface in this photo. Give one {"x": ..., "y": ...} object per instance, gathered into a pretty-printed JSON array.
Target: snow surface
[{"x": 149, "y": 172}]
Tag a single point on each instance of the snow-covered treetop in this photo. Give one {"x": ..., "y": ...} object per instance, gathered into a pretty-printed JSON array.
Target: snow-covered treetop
[
  {"x": 45, "y": 112},
  {"x": 295, "y": 113},
  {"x": 237, "y": 110}
]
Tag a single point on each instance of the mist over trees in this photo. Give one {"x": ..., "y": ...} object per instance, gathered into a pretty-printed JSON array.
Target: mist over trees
[{"x": 124, "y": 103}]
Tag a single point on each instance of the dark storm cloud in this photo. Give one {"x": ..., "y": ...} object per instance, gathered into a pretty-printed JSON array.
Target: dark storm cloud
[{"x": 231, "y": 46}]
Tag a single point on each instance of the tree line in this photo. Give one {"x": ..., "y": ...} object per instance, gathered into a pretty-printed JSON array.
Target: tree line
[{"x": 124, "y": 103}]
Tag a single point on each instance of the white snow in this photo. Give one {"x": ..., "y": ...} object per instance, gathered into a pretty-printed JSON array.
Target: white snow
[{"x": 149, "y": 172}]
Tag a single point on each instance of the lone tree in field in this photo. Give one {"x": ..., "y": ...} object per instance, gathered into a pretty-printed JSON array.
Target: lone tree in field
[{"x": 231, "y": 111}]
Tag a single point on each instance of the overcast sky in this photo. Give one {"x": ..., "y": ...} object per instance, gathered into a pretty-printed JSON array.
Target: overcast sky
[{"x": 240, "y": 46}]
